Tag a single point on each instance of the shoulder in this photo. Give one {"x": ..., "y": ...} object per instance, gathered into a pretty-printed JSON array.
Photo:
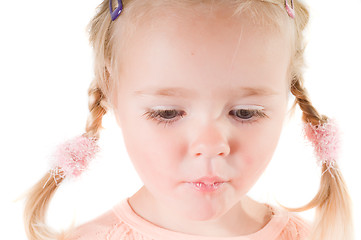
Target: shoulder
[
  {"x": 284, "y": 225},
  {"x": 296, "y": 228},
  {"x": 106, "y": 226}
]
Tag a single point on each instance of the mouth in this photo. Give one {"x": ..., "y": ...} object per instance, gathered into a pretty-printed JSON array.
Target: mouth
[
  {"x": 207, "y": 184},
  {"x": 203, "y": 187}
]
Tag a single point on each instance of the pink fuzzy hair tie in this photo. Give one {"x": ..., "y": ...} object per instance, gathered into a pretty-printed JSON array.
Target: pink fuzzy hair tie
[
  {"x": 325, "y": 139},
  {"x": 73, "y": 156}
]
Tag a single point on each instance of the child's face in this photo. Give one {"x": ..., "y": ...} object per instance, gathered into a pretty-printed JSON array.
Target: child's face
[{"x": 204, "y": 71}]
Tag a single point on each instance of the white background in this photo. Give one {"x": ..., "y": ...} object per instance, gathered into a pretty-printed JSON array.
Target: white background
[{"x": 46, "y": 67}]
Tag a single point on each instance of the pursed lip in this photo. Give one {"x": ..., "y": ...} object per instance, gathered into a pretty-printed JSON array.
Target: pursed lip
[{"x": 209, "y": 180}]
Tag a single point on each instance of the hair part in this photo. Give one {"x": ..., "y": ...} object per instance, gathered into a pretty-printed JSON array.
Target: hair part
[{"x": 109, "y": 41}]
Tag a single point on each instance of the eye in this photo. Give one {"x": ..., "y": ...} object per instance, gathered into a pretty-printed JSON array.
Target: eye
[
  {"x": 247, "y": 115},
  {"x": 244, "y": 113},
  {"x": 167, "y": 116}
]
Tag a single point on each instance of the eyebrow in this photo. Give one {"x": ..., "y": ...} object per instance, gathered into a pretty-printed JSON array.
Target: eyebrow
[
  {"x": 166, "y": 92},
  {"x": 182, "y": 92}
]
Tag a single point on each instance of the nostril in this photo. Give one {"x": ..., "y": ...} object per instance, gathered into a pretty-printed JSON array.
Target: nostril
[{"x": 209, "y": 150}]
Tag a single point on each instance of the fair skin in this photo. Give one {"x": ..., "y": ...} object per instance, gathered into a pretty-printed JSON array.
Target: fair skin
[{"x": 205, "y": 70}]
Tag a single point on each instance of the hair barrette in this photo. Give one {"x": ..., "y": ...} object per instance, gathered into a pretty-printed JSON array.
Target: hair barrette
[
  {"x": 115, "y": 14},
  {"x": 290, "y": 9}
]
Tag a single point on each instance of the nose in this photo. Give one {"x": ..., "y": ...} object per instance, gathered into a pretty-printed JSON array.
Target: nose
[{"x": 210, "y": 141}]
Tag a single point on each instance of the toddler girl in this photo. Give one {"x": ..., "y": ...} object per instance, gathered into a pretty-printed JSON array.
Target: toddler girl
[{"x": 200, "y": 90}]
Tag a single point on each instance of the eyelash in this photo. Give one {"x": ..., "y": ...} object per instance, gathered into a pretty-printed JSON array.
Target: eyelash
[{"x": 156, "y": 115}]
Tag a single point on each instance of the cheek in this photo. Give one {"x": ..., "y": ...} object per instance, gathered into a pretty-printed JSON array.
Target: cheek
[
  {"x": 265, "y": 135},
  {"x": 256, "y": 151},
  {"x": 266, "y": 142},
  {"x": 154, "y": 151}
]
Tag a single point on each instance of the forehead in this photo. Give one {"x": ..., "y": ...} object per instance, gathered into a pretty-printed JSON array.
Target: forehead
[{"x": 210, "y": 49}]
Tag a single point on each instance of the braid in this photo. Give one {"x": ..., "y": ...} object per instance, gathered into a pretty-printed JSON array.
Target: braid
[
  {"x": 39, "y": 196},
  {"x": 332, "y": 202},
  {"x": 310, "y": 114},
  {"x": 97, "y": 107}
]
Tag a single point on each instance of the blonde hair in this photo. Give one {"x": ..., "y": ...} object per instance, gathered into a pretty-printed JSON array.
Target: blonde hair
[{"x": 332, "y": 202}]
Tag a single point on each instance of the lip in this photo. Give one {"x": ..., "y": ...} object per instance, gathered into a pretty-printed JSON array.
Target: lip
[
  {"x": 209, "y": 180},
  {"x": 206, "y": 188},
  {"x": 207, "y": 184}
]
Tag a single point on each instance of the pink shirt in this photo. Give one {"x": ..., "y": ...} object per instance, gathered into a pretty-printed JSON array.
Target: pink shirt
[{"x": 122, "y": 223}]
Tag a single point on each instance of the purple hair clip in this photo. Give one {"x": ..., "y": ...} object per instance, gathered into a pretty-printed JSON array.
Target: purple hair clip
[
  {"x": 115, "y": 14},
  {"x": 290, "y": 9}
]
